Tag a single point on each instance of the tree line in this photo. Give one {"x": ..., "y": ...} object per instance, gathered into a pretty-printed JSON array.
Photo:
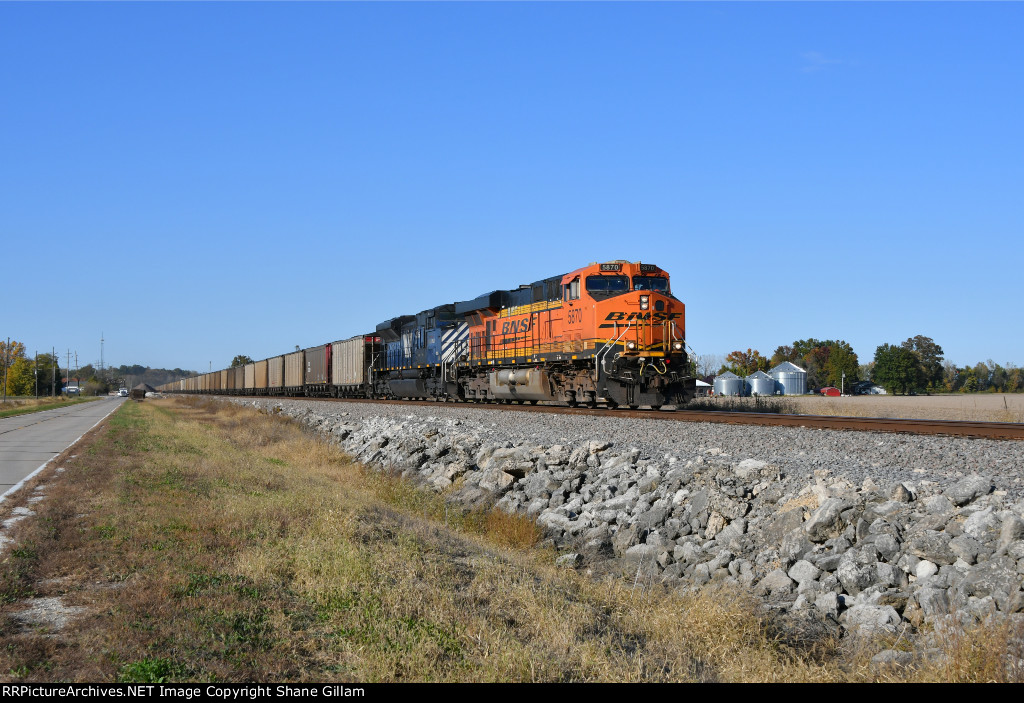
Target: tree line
[
  {"x": 18, "y": 373},
  {"x": 825, "y": 362},
  {"x": 916, "y": 365}
]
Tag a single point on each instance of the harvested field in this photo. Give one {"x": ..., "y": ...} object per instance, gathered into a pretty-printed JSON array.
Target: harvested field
[{"x": 982, "y": 407}]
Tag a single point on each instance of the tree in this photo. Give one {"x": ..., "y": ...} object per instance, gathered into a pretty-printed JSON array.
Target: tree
[
  {"x": 784, "y": 353},
  {"x": 240, "y": 360},
  {"x": 815, "y": 356},
  {"x": 9, "y": 355},
  {"x": 897, "y": 369},
  {"x": 929, "y": 356},
  {"x": 49, "y": 374},
  {"x": 21, "y": 377},
  {"x": 984, "y": 375},
  {"x": 841, "y": 360},
  {"x": 1015, "y": 379},
  {"x": 708, "y": 364},
  {"x": 744, "y": 363}
]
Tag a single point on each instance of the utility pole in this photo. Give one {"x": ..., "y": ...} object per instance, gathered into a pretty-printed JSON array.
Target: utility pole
[
  {"x": 78, "y": 381},
  {"x": 7, "y": 351},
  {"x": 53, "y": 372},
  {"x": 37, "y": 374},
  {"x": 101, "y": 357},
  {"x": 69, "y": 373}
]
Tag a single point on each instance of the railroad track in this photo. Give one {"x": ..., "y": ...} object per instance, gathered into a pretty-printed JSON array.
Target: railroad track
[{"x": 952, "y": 428}]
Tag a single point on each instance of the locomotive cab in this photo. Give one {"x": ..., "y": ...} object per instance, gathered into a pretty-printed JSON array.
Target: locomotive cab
[{"x": 638, "y": 332}]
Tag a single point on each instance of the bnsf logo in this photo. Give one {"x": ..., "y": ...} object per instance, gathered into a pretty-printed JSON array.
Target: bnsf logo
[
  {"x": 657, "y": 316},
  {"x": 516, "y": 327}
]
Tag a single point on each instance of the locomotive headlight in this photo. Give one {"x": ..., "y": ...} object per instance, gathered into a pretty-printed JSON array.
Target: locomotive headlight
[
  {"x": 631, "y": 346},
  {"x": 644, "y": 301},
  {"x": 678, "y": 346}
]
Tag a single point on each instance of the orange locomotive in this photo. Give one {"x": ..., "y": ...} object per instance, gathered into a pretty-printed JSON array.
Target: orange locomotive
[{"x": 609, "y": 332}]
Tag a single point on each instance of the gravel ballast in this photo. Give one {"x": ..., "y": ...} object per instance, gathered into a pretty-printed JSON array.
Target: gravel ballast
[{"x": 869, "y": 531}]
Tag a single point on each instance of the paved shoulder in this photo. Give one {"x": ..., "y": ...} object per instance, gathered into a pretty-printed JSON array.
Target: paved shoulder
[{"x": 28, "y": 442}]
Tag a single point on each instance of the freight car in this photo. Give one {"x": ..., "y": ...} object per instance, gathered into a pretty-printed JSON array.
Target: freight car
[{"x": 609, "y": 332}]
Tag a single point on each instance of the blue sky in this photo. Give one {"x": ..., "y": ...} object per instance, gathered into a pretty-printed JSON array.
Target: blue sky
[{"x": 199, "y": 180}]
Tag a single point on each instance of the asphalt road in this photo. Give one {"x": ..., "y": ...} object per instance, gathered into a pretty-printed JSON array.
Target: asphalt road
[{"x": 28, "y": 442}]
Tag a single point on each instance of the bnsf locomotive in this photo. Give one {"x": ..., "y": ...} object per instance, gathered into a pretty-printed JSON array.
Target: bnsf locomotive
[{"x": 609, "y": 332}]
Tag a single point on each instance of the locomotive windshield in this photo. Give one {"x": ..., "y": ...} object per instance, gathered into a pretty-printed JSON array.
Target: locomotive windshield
[
  {"x": 655, "y": 283},
  {"x": 606, "y": 286}
]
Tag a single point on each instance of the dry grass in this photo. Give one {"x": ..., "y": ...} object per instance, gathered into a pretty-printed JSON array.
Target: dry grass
[
  {"x": 980, "y": 407},
  {"x": 211, "y": 543},
  {"x": 741, "y": 404},
  {"x": 21, "y": 406}
]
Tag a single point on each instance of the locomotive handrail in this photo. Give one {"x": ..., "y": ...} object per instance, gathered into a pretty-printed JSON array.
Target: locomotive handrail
[{"x": 608, "y": 345}]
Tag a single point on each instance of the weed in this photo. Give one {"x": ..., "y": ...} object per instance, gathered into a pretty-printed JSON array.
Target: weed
[
  {"x": 147, "y": 671},
  {"x": 731, "y": 404}
]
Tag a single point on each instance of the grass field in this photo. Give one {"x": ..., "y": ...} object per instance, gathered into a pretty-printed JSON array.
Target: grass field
[
  {"x": 190, "y": 541},
  {"x": 22, "y": 406}
]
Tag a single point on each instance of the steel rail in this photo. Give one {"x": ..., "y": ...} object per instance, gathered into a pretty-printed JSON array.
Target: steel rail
[{"x": 951, "y": 428}]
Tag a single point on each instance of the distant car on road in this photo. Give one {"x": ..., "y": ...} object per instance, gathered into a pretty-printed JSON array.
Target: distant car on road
[
  {"x": 73, "y": 390},
  {"x": 123, "y": 392}
]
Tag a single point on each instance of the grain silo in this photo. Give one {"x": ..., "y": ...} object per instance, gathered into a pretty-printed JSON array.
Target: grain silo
[
  {"x": 791, "y": 379},
  {"x": 728, "y": 383},
  {"x": 760, "y": 383}
]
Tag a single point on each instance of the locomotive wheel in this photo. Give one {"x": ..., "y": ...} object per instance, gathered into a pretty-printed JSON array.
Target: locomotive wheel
[
  {"x": 634, "y": 407},
  {"x": 655, "y": 407},
  {"x": 592, "y": 403}
]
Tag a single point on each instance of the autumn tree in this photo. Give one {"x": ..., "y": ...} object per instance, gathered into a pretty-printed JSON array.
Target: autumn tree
[
  {"x": 10, "y": 354},
  {"x": 784, "y": 353},
  {"x": 21, "y": 378},
  {"x": 744, "y": 363}
]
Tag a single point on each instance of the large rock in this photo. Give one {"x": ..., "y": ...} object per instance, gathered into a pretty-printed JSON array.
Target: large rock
[
  {"x": 996, "y": 578},
  {"x": 967, "y": 489},
  {"x": 795, "y": 545},
  {"x": 804, "y": 571},
  {"x": 933, "y": 546},
  {"x": 776, "y": 582},
  {"x": 983, "y": 525},
  {"x": 781, "y": 524},
  {"x": 933, "y": 601},
  {"x": 826, "y": 522},
  {"x": 872, "y": 619},
  {"x": 750, "y": 467},
  {"x": 855, "y": 576},
  {"x": 966, "y": 548},
  {"x": 1011, "y": 531}
]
